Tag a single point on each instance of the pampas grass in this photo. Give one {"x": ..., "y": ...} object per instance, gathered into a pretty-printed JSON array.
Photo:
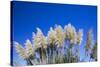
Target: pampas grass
[{"x": 61, "y": 45}]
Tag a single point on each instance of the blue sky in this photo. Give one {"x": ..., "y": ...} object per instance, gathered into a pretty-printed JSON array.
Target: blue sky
[{"x": 27, "y": 16}]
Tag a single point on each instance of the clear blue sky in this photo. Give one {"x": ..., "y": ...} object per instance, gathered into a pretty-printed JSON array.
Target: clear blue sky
[{"x": 26, "y": 16}]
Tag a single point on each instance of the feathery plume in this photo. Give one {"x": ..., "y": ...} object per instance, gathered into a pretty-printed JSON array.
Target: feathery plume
[
  {"x": 59, "y": 35},
  {"x": 89, "y": 39},
  {"x": 79, "y": 36},
  {"x": 51, "y": 37},
  {"x": 29, "y": 48},
  {"x": 40, "y": 39},
  {"x": 20, "y": 50},
  {"x": 70, "y": 33}
]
